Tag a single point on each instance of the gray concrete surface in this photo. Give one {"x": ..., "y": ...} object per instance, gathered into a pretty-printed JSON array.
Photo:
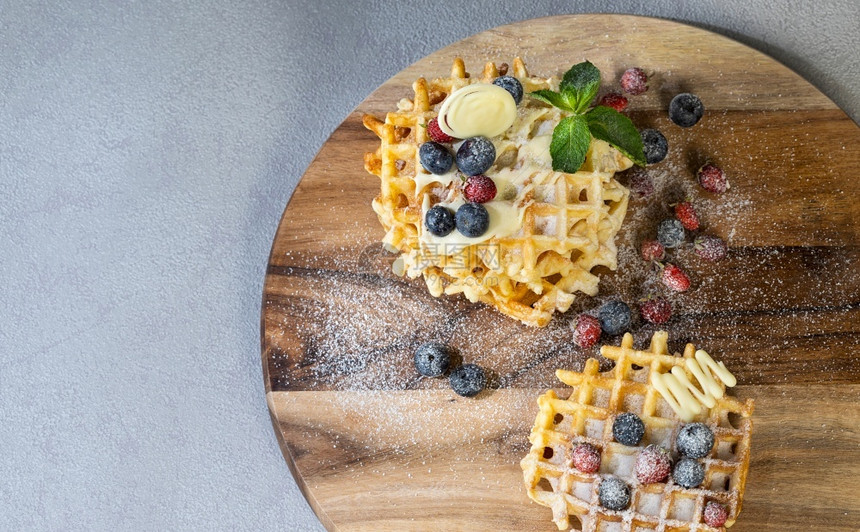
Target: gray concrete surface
[{"x": 147, "y": 150}]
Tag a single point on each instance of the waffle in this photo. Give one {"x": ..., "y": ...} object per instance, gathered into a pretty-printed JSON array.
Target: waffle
[
  {"x": 559, "y": 226},
  {"x": 587, "y": 416}
]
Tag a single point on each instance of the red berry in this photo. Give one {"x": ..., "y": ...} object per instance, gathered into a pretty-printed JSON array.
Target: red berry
[
  {"x": 715, "y": 514},
  {"x": 656, "y": 310},
  {"x": 675, "y": 278},
  {"x": 712, "y": 179},
  {"x": 586, "y": 458},
  {"x": 586, "y": 331},
  {"x": 685, "y": 212},
  {"x": 479, "y": 189},
  {"x": 615, "y": 101},
  {"x": 652, "y": 465},
  {"x": 436, "y": 133},
  {"x": 641, "y": 183},
  {"x": 634, "y": 81},
  {"x": 710, "y": 248},
  {"x": 652, "y": 250}
]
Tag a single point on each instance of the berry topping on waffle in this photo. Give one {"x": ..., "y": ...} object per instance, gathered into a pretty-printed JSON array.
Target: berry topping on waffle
[{"x": 632, "y": 489}]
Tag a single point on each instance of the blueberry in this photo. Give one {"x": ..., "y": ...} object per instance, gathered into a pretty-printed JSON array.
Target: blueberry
[
  {"x": 512, "y": 85},
  {"x": 695, "y": 440},
  {"x": 614, "y": 493},
  {"x": 433, "y": 359},
  {"x": 688, "y": 473},
  {"x": 686, "y": 109},
  {"x": 476, "y": 155},
  {"x": 472, "y": 219},
  {"x": 614, "y": 317},
  {"x": 670, "y": 233},
  {"x": 655, "y": 144},
  {"x": 628, "y": 429},
  {"x": 468, "y": 380},
  {"x": 439, "y": 220},
  {"x": 435, "y": 158}
]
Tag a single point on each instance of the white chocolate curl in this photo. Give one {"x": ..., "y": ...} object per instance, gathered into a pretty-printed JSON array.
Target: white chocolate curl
[
  {"x": 683, "y": 395},
  {"x": 479, "y": 109}
]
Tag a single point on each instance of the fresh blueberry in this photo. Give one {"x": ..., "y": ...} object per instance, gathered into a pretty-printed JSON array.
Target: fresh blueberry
[
  {"x": 695, "y": 440},
  {"x": 614, "y": 493},
  {"x": 688, "y": 473},
  {"x": 670, "y": 233},
  {"x": 614, "y": 317},
  {"x": 468, "y": 380},
  {"x": 628, "y": 429},
  {"x": 439, "y": 220},
  {"x": 655, "y": 144},
  {"x": 472, "y": 219},
  {"x": 435, "y": 158},
  {"x": 432, "y": 359},
  {"x": 476, "y": 155},
  {"x": 686, "y": 109},
  {"x": 512, "y": 85}
]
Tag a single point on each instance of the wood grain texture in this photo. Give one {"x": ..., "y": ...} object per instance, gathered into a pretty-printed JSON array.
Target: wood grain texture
[{"x": 373, "y": 447}]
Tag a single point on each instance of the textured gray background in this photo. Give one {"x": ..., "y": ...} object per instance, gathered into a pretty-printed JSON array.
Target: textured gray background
[{"x": 146, "y": 154}]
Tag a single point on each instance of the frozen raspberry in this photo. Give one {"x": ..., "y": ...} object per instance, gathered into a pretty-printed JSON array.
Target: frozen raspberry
[
  {"x": 652, "y": 250},
  {"x": 715, "y": 514},
  {"x": 615, "y": 101},
  {"x": 710, "y": 248},
  {"x": 479, "y": 189},
  {"x": 675, "y": 278},
  {"x": 586, "y": 458},
  {"x": 436, "y": 133},
  {"x": 712, "y": 179},
  {"x": 653, "y": 465},
  {"x": 586, "y": 331},
  {"x": 656, "y": 310},
  {"x": 634, "y": 81},
  {"x": 686, "y": 214},
  {"x": 641, "y": 183}
]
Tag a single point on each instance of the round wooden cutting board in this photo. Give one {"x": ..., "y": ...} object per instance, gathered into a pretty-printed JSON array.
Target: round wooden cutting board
[{"x": 375, "y": 448}]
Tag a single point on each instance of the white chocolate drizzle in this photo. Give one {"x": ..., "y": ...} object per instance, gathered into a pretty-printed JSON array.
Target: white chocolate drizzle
[{"x": 681, "y": 393}]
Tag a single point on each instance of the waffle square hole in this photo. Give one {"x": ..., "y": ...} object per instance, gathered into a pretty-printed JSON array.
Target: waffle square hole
[
  {"x": 619, "y": 463},
  {"x": 720, "y": 481},
  {"x": 582, "y": 491},
  {"x": 600, "y": 397},
  {"x": 683, "y": 507},
  {"x": 633, "y": 403},
  {"x": 563, "y": 422},
  {"x": 545, "y": 225},
  {"x": 661, "y": 436},
  {"x": 610, "y": 526},
  {"x": 649, "y": 503},
  {"x": 594, "y": 428},
  {"x": 727, "y": 450}
]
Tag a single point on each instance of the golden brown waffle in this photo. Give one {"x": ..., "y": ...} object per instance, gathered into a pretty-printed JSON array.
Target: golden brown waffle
[
  {"x": 587, "y": 416},
  {"x": 566, "y": 222}
]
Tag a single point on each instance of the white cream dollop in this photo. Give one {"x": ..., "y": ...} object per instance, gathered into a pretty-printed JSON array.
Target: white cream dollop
[{"x": 479, "y": 109}]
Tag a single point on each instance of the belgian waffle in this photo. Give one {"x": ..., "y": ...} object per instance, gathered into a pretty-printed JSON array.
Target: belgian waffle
[
  {"x": 566, "y": 223},
  {"x": 586, "y": 416}
]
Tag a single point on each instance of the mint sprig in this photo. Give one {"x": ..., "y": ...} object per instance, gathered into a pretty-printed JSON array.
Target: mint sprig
[{"x": 572, "y": 136}]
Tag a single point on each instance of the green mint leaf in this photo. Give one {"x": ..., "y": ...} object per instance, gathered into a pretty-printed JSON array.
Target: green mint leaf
[
  {"x": 570, "y": 140},
  {"x": 580, "y": 85},
  {"x": 616, "y": 129},
  {"x": 553, "y": 98}
]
